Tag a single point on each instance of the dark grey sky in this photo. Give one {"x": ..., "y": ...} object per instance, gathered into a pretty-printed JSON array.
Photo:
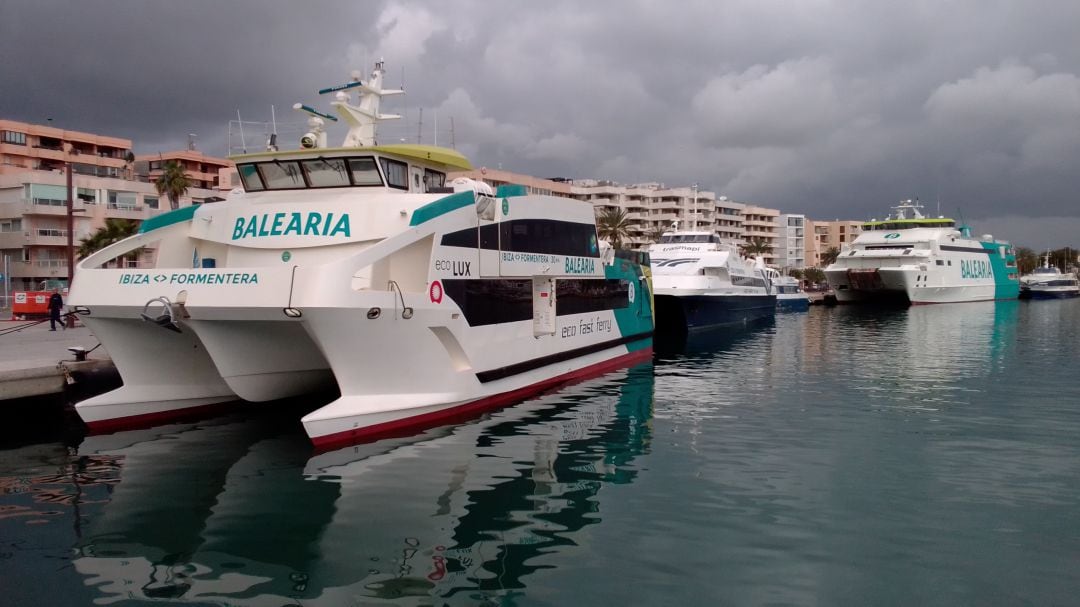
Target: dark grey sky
[{"x": 836, "y": 109}]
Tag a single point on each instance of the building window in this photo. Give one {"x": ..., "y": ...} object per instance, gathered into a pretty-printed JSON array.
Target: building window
[
  {"x": 151, "y": 201},
  {"x": 86, "y": 196},
  {"x": 124, "y": 201},
  {"x": 11, "y": 225},
  {"x": 14, "y": 137}
]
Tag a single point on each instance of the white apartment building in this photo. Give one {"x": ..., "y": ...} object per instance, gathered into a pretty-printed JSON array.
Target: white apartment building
[{"x": 791, "y": 241}]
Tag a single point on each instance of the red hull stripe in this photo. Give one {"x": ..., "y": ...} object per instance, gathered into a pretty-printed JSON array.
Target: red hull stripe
[
  {"x": 409, "y": 425},
  {"x": 146, "y": 420}
]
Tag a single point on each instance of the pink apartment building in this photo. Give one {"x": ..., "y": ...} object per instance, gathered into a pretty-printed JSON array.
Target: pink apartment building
[{"x": 106, "y": 183}]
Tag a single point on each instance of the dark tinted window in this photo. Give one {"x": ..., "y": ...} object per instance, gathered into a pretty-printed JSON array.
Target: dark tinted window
[
  {"x": 577, "y": 296},
  {"x": 549, "y": 236},
  {"x": 489, "y": 302}
]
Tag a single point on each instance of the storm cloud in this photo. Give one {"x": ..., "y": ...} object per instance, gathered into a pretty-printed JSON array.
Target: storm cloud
[{"x": 836, "y": 109}]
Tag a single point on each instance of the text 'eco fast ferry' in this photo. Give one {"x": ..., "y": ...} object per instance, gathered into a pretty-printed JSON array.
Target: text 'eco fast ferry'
[
  {"x": 357, "y": 268},
  {"x": 909, "y": 258}
]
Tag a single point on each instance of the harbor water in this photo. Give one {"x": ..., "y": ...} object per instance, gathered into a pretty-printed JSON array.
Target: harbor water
[{"x": 844, "y": 456}]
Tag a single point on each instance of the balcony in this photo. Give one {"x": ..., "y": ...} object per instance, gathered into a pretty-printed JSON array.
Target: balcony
[
  {"x": 48, "y": 206},
  {"x": 124, "y": 211},
  {"x": 43, "y": 268}
]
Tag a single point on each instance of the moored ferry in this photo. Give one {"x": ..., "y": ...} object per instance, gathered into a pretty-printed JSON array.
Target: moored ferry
[
  {"x": 909, "y": 258},
  {"x": 702, "y": 283},
  {"x": 362, "y": 269},
  {"x": 1049, "y": 282}
]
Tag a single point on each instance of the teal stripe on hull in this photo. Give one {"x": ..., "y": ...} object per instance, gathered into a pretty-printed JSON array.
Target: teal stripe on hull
[
  {"x": 167, "y": 219},
  {"x": 441, "y": 206},
  {"x": 1004, "y": 287},
  {"x": 637, "y": 318}
]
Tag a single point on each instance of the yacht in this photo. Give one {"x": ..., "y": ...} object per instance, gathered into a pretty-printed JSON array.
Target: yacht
[
  {"x": 360, "y": 269},
  {"x": 790, "y": 296},
  {"x": 912, "y": 259},
  {"x": 1048, "y": 282},
  {"x": 702, "y": 283}
]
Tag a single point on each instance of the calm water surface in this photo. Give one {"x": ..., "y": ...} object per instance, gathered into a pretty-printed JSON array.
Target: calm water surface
[{"x": 840, "y": 457}]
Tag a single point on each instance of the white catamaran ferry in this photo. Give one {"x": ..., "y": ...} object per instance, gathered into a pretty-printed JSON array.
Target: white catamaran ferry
[
  {"x": 361, "y": 268},
  {"x": 913, "y": 259},
  {"x": 702, "y": 283}
]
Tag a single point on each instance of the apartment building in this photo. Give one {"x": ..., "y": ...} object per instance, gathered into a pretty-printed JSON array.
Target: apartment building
[
  {"x": 205, "y": 172},
  {"x": 34, "y": 194},
  {"x": 31, "y": 147},
  {"x": 791, "y": 241},
  {"x": 829, "y": 234},
  {"x": 761, "y": 223}
]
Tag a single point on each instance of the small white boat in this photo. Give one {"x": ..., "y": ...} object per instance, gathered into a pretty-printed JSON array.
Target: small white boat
[
  {"x": 703, "y": 283},
  {"x": 790, "y": 296},
  {"x": 1048, "y": 282},
  {"x": 361, "y": 269}
]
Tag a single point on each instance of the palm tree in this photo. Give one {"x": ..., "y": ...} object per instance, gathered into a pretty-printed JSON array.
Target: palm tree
[
  {"x": 173, "y": 182},
  {"x": 654, "y": 234},
  {"x": 114, "y": 230},
  {"x": 613, "y": 226},
  {"x": 829, "y": 256},
  {"x": 756, "y": 247}
]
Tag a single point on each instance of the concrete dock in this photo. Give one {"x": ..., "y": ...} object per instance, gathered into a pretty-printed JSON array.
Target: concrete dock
[{"x": 35, "y": 361}]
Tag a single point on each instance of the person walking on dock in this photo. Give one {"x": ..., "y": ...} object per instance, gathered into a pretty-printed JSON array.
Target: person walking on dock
[{"x": 56, "y": 303}]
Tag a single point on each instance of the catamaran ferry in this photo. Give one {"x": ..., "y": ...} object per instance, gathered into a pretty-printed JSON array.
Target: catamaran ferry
[
  {"x": 910, "y": 258},
  {"x": 361, "y": 268}
]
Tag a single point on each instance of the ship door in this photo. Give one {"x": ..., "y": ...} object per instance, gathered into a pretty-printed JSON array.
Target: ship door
[
  {"x": 416, "y": 179},
  {"x": 543, "y": 298}
]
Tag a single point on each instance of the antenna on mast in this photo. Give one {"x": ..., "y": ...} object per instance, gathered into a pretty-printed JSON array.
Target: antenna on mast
[
  {"x": 420, "y": 127},
  {"x": 239, "y": 121}
]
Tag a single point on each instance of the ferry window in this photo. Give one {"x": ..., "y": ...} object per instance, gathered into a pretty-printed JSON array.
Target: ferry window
[
  {"x": 364, "y": 171},
  {"x": 397, "y": 173},
  {"x": 250, "y": 177},
  {"x": 280, "y": 175},
  {"x": 578, "y": 296},
  {"x": 549, "y": 236},
  {"x": 940, "y": 262},
  {"x": 433, "y": 179},
  {"x": 326, "y": 172}
]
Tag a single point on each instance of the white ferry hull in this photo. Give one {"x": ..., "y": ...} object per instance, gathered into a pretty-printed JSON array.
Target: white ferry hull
[
  {"x": 353, "y": 418},
  {"x": 166, "y": 374},
  {"x": 905, "y": 285}
]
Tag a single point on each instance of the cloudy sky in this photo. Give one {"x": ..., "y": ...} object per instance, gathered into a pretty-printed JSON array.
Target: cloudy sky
[{"x": 835, "y": 109}]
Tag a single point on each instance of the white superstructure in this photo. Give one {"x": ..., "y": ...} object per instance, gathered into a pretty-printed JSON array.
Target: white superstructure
[
  {"x": 360, "y": 269},
  {"x": 910, "y": 258}
]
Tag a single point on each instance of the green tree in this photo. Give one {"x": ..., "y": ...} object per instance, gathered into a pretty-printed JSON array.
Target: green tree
[
  {"x": 173, "y": 183},
  {"x": 114, "y": 230},
  {"x": 829, "y": 256},
  {"x": 654, "y": 234},
  {"x": 756, "y": 247},
  {"x": 796, "y": 273},
  {"x": 613, "y": 226},
  {"x": 1026, "y": 259},
  {"x": 814, "y": 275}
]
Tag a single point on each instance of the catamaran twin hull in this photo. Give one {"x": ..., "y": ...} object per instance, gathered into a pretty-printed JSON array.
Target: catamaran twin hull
[{"x": 422, "y": 307}]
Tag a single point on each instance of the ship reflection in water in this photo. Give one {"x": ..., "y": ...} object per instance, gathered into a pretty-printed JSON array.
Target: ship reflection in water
[{"x": 232, "y": 512}]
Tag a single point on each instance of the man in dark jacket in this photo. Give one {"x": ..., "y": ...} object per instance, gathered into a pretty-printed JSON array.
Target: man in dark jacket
[{"x": 56, "y": 303}]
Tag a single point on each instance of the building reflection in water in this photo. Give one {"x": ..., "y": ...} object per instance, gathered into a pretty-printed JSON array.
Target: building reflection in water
[{"x": 232, "y": 511}]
